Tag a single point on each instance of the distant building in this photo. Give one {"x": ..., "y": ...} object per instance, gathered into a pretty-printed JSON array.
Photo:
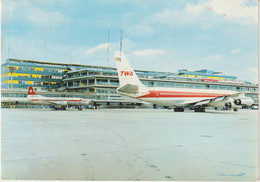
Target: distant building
[
  {"x": 31, "y": 73},
  {"x": 204, "y": 73}
]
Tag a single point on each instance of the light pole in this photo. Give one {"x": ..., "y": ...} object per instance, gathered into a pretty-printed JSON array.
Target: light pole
[{"x": 11, "y": 70}]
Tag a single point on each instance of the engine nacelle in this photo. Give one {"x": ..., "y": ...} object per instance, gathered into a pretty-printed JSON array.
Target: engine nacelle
[
  {"x": 231, "y": 105},
  {"x": 228, "y": 104},
  {"x": 247, "y": 101}
]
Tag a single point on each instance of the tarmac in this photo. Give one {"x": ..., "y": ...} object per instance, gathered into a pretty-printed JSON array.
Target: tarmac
[{"x": 129, "y": 144}]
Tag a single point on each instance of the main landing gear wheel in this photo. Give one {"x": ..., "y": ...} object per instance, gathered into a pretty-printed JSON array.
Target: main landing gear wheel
[
  {"x": 80, "y": 108},
  {"x": 179, "y": 109},
  {"x": 199, "y": 109}
]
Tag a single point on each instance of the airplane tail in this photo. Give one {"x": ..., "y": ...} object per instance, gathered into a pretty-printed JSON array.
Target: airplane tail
[
  {"x": 128, "y": 80},
  {"x": 31, "y": 93}
]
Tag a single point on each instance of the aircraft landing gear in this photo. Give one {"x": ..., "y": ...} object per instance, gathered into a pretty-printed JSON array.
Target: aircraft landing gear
[
  {"x": 199, "y": 109},
  {"x": 63, "y": 108},
  {"x": 236, "y": 109},
  {"x": 179, "y": 109},
  {"x": 80, "y": 108}
]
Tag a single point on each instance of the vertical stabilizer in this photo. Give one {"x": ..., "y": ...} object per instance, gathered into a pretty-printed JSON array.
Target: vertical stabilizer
[
  {"x": 126, "y": 74},
  {"x": 31, "y": 93}
]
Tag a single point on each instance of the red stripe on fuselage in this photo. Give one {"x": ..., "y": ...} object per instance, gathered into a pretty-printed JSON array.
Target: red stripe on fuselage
[
  {"x": 159, "y": 94},
  {"x": 56, "y": 100}
]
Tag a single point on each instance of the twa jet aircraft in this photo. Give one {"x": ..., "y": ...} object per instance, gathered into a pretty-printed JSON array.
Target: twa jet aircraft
[
  {"x": 176, "y": 98},
  {"x": 57, "y": 102}
]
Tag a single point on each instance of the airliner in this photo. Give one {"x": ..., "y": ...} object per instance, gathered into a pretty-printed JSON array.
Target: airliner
[
  {"x": 57, "y": 102},
  {"x": 177, "y": 98}
]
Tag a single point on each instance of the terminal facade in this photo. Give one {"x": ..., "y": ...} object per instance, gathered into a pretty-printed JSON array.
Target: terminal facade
[{"x": 99, "y": 83}]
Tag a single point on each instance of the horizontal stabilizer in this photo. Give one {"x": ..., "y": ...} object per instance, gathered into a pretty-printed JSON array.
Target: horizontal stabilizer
[{"x": 128, "y": 88}]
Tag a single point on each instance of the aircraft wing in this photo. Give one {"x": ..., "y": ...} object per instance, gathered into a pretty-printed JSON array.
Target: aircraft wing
[{"x": 215, "y": 101}]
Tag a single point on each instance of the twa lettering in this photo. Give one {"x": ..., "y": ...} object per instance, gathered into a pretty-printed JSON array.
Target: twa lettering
[{"x": 126, "y": 73}]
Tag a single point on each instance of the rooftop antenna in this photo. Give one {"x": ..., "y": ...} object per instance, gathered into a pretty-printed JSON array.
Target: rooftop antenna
[
  {"x": 120, "y": 42},
  {"x": 45, "y": 47},
  {"x": 108, "y": 45}
]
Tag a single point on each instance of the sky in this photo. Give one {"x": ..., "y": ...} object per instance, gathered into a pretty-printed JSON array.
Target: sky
[{"x": 157, "y": 35}]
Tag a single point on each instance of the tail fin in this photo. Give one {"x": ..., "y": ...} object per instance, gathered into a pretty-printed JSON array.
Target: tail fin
[
  {"x": 128, "y": 81},
  {"x": 31, "y": 91}
]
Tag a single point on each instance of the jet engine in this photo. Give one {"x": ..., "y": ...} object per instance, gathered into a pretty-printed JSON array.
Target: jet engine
[
  {"x": 231, "y": 105},
  {"x": 247, "y": 101},
  {"x": 228, "y": 104}
]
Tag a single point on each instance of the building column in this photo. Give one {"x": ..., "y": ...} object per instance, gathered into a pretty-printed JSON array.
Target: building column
[
  {"x": 95, "y": 81},
  {"x": 108, "y": 94},
  {"x": 108, "y": 81}
]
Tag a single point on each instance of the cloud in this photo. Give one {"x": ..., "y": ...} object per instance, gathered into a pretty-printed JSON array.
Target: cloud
[
  {"x": 41, "y": 17},
  {"x": 203, "y": 14},
  {"x": 27, "y": 12},
  {"x": 191, "y": 14},
  {"x": 235, "y": 10},
  {"x": 96, "y": 48},
  {"x": 127, "y": 45},
  {"x": 149, "y": 52},
  {"x": 235, "y": 51},
  {"x": 141, "y": 29},
  {"x": 170, "y": 17},
  {"x": 238, "y": 11}
]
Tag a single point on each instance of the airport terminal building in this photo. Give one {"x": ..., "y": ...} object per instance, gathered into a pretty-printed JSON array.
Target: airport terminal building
[{"x": 99, "y": 83}]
